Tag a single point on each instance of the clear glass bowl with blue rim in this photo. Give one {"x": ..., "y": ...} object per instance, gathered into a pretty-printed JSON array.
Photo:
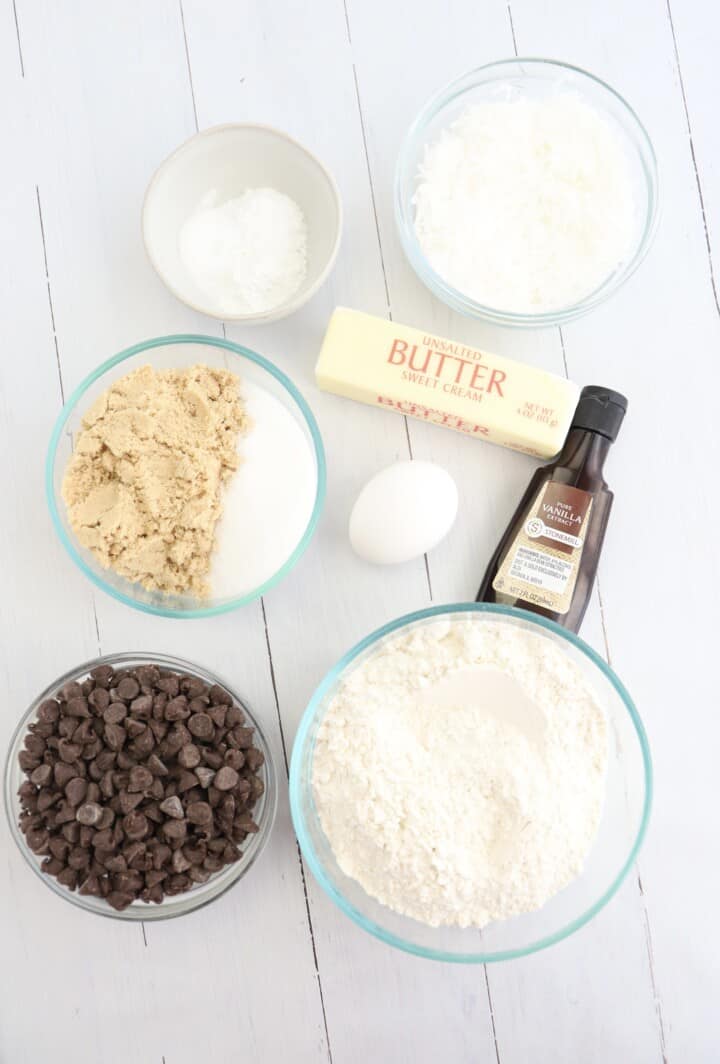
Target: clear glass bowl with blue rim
[
  {"x": 175, "y": 352},
  {"x": 622, "y": 828},
  {"x": 527, "y": 79}
]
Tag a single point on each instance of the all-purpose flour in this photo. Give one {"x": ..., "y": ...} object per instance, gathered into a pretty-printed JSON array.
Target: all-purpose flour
[{"x": 451, "y": 805}]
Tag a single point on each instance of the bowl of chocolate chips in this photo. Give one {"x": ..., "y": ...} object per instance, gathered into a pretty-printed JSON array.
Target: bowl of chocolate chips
[{"x": 140, "y": 786}]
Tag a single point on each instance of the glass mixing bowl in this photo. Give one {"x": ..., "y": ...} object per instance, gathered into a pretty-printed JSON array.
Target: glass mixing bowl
[
  {"x": 534, "y": 79},
  {"x": 173, "y": 352},
  {"x": 622, "y": 827},
  {"x": 179, "y": 904}
]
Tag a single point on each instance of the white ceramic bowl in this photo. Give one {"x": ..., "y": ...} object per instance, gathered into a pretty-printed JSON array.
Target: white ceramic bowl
[{"x": 230, "y": 159}]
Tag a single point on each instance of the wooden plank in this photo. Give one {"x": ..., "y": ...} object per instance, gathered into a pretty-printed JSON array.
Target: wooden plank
[
  {"x": 378, "y": 1003},
  {"x": 109, "y": 98},
  {"x": 46, "y": 618},
  {"x": 660, "y": 633},
  {"x": 491, "y": 481}
]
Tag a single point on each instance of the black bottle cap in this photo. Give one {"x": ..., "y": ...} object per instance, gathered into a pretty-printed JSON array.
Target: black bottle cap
[{"x": 600, "y": 410}]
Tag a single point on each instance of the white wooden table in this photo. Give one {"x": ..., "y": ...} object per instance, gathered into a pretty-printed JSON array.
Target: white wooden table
[{"x": 94, "y": 96}]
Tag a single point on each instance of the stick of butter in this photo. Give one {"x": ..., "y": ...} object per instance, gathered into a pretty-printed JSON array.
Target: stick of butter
[{"x": 424, "y": 376}]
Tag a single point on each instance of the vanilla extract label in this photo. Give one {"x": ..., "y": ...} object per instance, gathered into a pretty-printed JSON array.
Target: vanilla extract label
[{"x": 542, "y": 564}]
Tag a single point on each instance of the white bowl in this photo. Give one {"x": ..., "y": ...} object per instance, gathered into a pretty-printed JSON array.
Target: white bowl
[{"x": 230, "y": 159}]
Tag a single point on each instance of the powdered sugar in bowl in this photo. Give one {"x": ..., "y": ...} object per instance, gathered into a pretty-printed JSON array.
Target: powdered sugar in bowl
[
  {"x": 558, "y": 809},
  {"x": 242, "y": 223}
]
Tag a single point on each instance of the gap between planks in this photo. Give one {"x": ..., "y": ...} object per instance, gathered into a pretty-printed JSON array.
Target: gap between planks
[
  {"x": 698, "y": 183},
  {"x": 371, "y": 185}
]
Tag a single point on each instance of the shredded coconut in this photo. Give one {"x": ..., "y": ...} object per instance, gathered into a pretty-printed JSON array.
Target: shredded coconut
[
  {"x": 452, "y": 808},
  {"x": 526, "y": 205},
  {"x": 249, "y": 254}
]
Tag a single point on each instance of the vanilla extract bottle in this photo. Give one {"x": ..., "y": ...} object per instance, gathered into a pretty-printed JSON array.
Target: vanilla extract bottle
[{"x": 547, "y": 560}]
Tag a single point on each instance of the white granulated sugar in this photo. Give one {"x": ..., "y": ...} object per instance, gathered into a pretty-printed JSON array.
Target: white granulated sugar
[
  {"x": 248, "y": 255},
  {"x": 451, "y": 808},
  {"x": 526, "y": 205},
  {"x": 268, "y": 501}
]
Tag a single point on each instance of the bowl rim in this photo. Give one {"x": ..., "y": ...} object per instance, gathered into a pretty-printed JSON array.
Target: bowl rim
[
  {"x": 458, "y": 300},
  {"x": 295, "y": 783},
  {"x": 75, "y": 398},
  {"x": 182, "y": 904},
  {"x": 303, "y": 295}
]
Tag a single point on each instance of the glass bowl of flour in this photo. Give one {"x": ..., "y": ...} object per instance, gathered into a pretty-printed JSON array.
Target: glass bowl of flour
[
  {"x": 269, "y": 506},
  {"x": 471, "y": 783},
  {"x": 526, "y": 193}
]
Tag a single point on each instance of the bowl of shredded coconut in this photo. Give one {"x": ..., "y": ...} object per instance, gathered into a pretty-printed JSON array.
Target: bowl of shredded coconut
[
  {"x": 242, "y": 223},
  {"x": 471, "y": 783},
  {"x": 526, "y": 193}
]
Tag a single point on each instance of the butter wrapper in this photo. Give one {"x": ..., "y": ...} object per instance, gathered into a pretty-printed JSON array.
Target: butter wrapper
[{"x": 399, "y": 368}]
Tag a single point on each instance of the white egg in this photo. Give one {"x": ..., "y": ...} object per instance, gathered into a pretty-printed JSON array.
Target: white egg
[{"x": 403, "y": 512}]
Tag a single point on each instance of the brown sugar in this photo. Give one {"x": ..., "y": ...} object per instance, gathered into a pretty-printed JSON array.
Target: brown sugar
[{"x": 143, "y": 487}]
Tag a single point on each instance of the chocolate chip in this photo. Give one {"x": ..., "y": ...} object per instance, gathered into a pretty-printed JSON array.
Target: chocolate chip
[
  {"x": 68, "y": 877},
  {"x": 189, "y": 756},
  {"x": 254, "y": 758},
  {"x": 64, "y": 812},
  {"x": 63, "y": 773},
  {"x": 118, "y": 900},
  {"x": 219, "y": 696},
  {"x": 89, "y": 814},
  {"x": 148, "y": 675},
  {"x": 177, "y": 709},
  {"x": 115, "y": 736},
  {"x": 212, "y": 758},
  {"x": 91, "y": 887},
  {"x": 128, "y": 688},
  {"x": 201, "y": 726},
  {"x": 235, "y": 759},
  {"x": 71, "y": 831},
  {"x": 217, "y": 714},
  {"x": 186, "y": 781},
  {"x": 114, "y": 713},
  {"x": 175, "y": 829},
  {"x": 173, "y": 807},
  {"x": 179, "y": 862},
  {"x": 41, "y": 775},
  {"x": 103, "y": 840},
  {"x": 67, "y": 726},
  {"x": 37, "y": 840},
  {"x": 103, "y": 675},
  {"x": 78, "y": 858},
  {"x": 140, "y": 778},
  {"x": 99, "y": 699},
  {"x": 199, "y": 813},
  {"x": 77, "y": 707},
  {"x": 169, "y": 684},
  {"x": 76, "y": 790},
  {"x": 204, "y": 775},
  {"x": 144, "y": 743},
  {"x": 135, "y": 825},
  {"x": 141, "y": 706},
  {"x": 59, "y": 848},
  {"x": 226, "y": 778},
  {"x": 192, "y": 686},
  {"x": 48, "y": 711},
  {"x": 243, "y": 737},
  {"x": 69, "y": 691}
]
